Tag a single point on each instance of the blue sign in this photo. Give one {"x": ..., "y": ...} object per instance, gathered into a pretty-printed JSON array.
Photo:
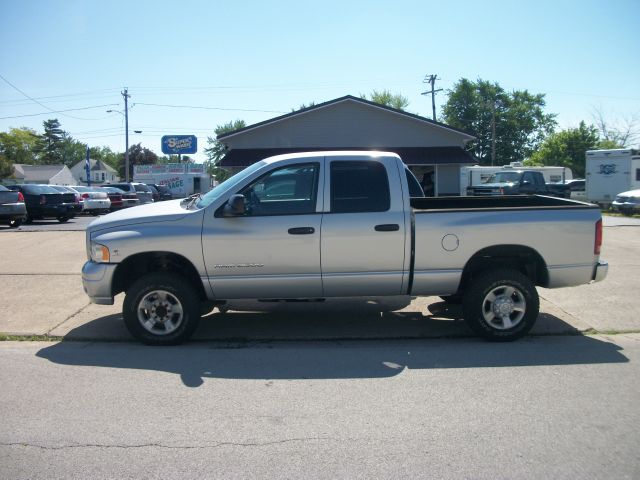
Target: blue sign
[{"x": 179, "y": 144}]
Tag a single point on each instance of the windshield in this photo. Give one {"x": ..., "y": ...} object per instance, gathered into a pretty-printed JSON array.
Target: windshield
[
  {"x": 227, "y": 185},
  {"x": 504, "y": 177}
]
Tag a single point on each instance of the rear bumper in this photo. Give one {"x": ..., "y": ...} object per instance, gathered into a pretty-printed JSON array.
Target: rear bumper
[
  {"x": 96, "y": 205},
  {"x": 13, "y": 211},
  {"x": 96, "y": 281},
  {"x": 600, "y": 271},
  {"x": 62, "y": 209}
]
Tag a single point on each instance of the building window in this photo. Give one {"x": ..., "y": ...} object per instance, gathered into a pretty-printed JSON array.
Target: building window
[
  {"x": 637, "y": 174},
  {"x": 103, "y": 176}
]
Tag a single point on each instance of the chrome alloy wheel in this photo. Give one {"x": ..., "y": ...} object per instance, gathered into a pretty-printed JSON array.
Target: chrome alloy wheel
[
  {"x": 160, "y": 312},
  {"x": 504, "y": 307}
]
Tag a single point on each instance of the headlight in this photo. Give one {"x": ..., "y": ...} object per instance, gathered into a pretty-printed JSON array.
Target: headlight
[{"x": 100, "y": 253}]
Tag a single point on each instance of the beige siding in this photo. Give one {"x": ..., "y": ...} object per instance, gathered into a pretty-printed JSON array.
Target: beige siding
[{"x": 347, "y": 124}]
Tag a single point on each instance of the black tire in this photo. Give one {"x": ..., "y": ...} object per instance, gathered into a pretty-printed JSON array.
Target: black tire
[
  {"x": 501, "y": 305},
  {"x": 63, "y": 219},
  {"x": 176, "y": 302},
  {"x": 15, "y": 223},
  {"x": 455, "y": 299}
]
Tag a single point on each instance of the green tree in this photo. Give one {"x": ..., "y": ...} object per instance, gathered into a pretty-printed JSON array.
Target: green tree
[
  {"x": 216, "y": 150},
  {"x": 388, "y": 99},
  {"x": 175, "y": 159},
  {"x": 568, "y": 148},
  {"x": 106, "y": 155},
  {"x": 509, "y": 126},
  {"x": 50, "y": 145},
  {"x": 6, "y": 167},
  {"x": 138, "y": 155},
  {"x": 71, "y": 150},
  {"x": 18, "y": 145}
]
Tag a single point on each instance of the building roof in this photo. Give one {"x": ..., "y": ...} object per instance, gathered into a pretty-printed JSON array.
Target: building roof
[
  {"x": 243, "y": 157},
  {"x": 34, "y": 173},
  {"x": 93, "y": 165},
  {"x": 347, "y": 98}
]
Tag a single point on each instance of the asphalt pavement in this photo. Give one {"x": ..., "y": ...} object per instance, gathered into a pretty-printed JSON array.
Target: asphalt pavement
[
  {"x": 561, "y": 407},
  {"x": 41, "y": 286}
]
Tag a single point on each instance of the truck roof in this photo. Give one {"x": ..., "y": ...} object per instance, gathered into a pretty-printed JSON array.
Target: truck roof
[{"x": 355, "y": 154}]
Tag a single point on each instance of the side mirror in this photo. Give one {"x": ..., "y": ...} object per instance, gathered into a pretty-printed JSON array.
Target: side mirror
[{"x": 235, "y": 206}]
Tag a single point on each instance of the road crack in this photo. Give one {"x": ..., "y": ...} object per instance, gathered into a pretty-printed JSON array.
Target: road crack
[{"x": 160, "y": 445}]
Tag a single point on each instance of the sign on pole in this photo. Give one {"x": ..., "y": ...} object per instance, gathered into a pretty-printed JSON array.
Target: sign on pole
[{"x": 179, "y": 144}]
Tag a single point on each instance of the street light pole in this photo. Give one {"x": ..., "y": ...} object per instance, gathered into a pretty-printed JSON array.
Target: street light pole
[{"x": 126, "y": 134}]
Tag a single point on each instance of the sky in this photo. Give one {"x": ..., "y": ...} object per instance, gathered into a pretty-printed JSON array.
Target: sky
[{"x": 190, "y": 66}]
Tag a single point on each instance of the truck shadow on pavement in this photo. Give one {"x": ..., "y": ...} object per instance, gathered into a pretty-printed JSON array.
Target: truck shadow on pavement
[{"x": 292, "y": 346}]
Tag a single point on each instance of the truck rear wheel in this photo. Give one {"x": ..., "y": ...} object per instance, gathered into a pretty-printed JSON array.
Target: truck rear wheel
[
  {"x": 161, "y": 309},
  {"x": 501, "y": 305}
]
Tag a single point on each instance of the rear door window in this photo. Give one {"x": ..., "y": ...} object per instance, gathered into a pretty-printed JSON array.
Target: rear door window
[{"x": 359, "y": 187}]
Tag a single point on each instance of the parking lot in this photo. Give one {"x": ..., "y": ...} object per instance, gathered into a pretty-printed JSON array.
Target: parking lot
[{"x": 40, "y": 267}]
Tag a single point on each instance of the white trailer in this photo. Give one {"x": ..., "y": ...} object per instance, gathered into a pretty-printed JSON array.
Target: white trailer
[
  {"x": 609, "y": 172},
  {"x": 477, "y": 175},
  {"x": 182, "y": 179}
]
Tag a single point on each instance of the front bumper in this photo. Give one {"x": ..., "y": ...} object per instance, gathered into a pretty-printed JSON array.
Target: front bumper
[
  {"x": 97, "y": 279},
  {"x": 600, "y": 271}
]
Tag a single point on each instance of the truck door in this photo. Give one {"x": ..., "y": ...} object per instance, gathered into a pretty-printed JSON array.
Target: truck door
[
  {"x": 363, "y": 229},
  {"x": 273, "y": 250}
]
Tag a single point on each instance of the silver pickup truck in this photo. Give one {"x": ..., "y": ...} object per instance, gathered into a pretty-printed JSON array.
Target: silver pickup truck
[{"x": 338, "y": 224}]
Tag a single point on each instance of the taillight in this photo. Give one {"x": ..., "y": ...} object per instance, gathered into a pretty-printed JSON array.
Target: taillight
[
  {"x": 598, "y": 243},
  {"x": 20, "y": 197},
  {"x": 85, "y": 195},
  {"x": 43, "y": 200}
]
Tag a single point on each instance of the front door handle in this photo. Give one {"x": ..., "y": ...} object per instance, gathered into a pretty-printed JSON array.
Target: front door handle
[
  {"x": 302, "y": 231},
  {"x": 387, "y": 227}
]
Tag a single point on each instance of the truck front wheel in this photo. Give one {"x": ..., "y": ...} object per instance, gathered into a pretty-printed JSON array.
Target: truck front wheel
[
  {"x": 161, "y": 309},
  {"x": 501, "y": 305}
]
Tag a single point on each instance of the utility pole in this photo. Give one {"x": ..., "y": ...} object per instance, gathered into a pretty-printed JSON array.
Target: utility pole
[
  {"x": 493, "y": 133},
  {"x": 126, "y": 134},
  {"x": 431, "y": 79}
]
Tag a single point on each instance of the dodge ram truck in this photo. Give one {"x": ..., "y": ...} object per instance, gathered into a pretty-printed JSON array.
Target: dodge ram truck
[{"x": 311, "y": 226}]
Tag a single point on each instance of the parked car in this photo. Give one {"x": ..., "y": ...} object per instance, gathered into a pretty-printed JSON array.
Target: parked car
[
  {"x": 115, "y": 196},
  {"x": 627, "y": 203},
  {"x": 129, "y": 198},
  {"x": 13, "y": 210},
  {"x": 144, "y": 193},
  {"x": 70, "y": 197},
  {"x": 43, "y": 201},
  {"x": 94, "y": 200},
  {"x": 573, "y": 189},
  {"x": 155, "y": 193},
  {"x": 511, "y": 182},
  {"x": 316, "y": 225},
  {"x": 163, "y": 191}
]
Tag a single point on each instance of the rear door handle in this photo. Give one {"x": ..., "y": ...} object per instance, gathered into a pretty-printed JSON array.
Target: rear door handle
[
  {"x": 387, "y": 227},
  {"x": 302, "y": 231}
]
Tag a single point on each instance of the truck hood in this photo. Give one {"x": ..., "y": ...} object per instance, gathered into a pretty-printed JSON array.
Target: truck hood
[{"x": 147, "y": 213}]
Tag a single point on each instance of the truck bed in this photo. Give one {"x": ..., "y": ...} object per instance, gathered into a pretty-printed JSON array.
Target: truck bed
[{"x": 497, "y": 202}]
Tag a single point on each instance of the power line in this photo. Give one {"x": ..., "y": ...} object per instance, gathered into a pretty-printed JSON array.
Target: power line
[
  {"x": 208, "y": 108},
  {"x": 41, "y": 104},
  {"x": 61, "y": 111}
]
